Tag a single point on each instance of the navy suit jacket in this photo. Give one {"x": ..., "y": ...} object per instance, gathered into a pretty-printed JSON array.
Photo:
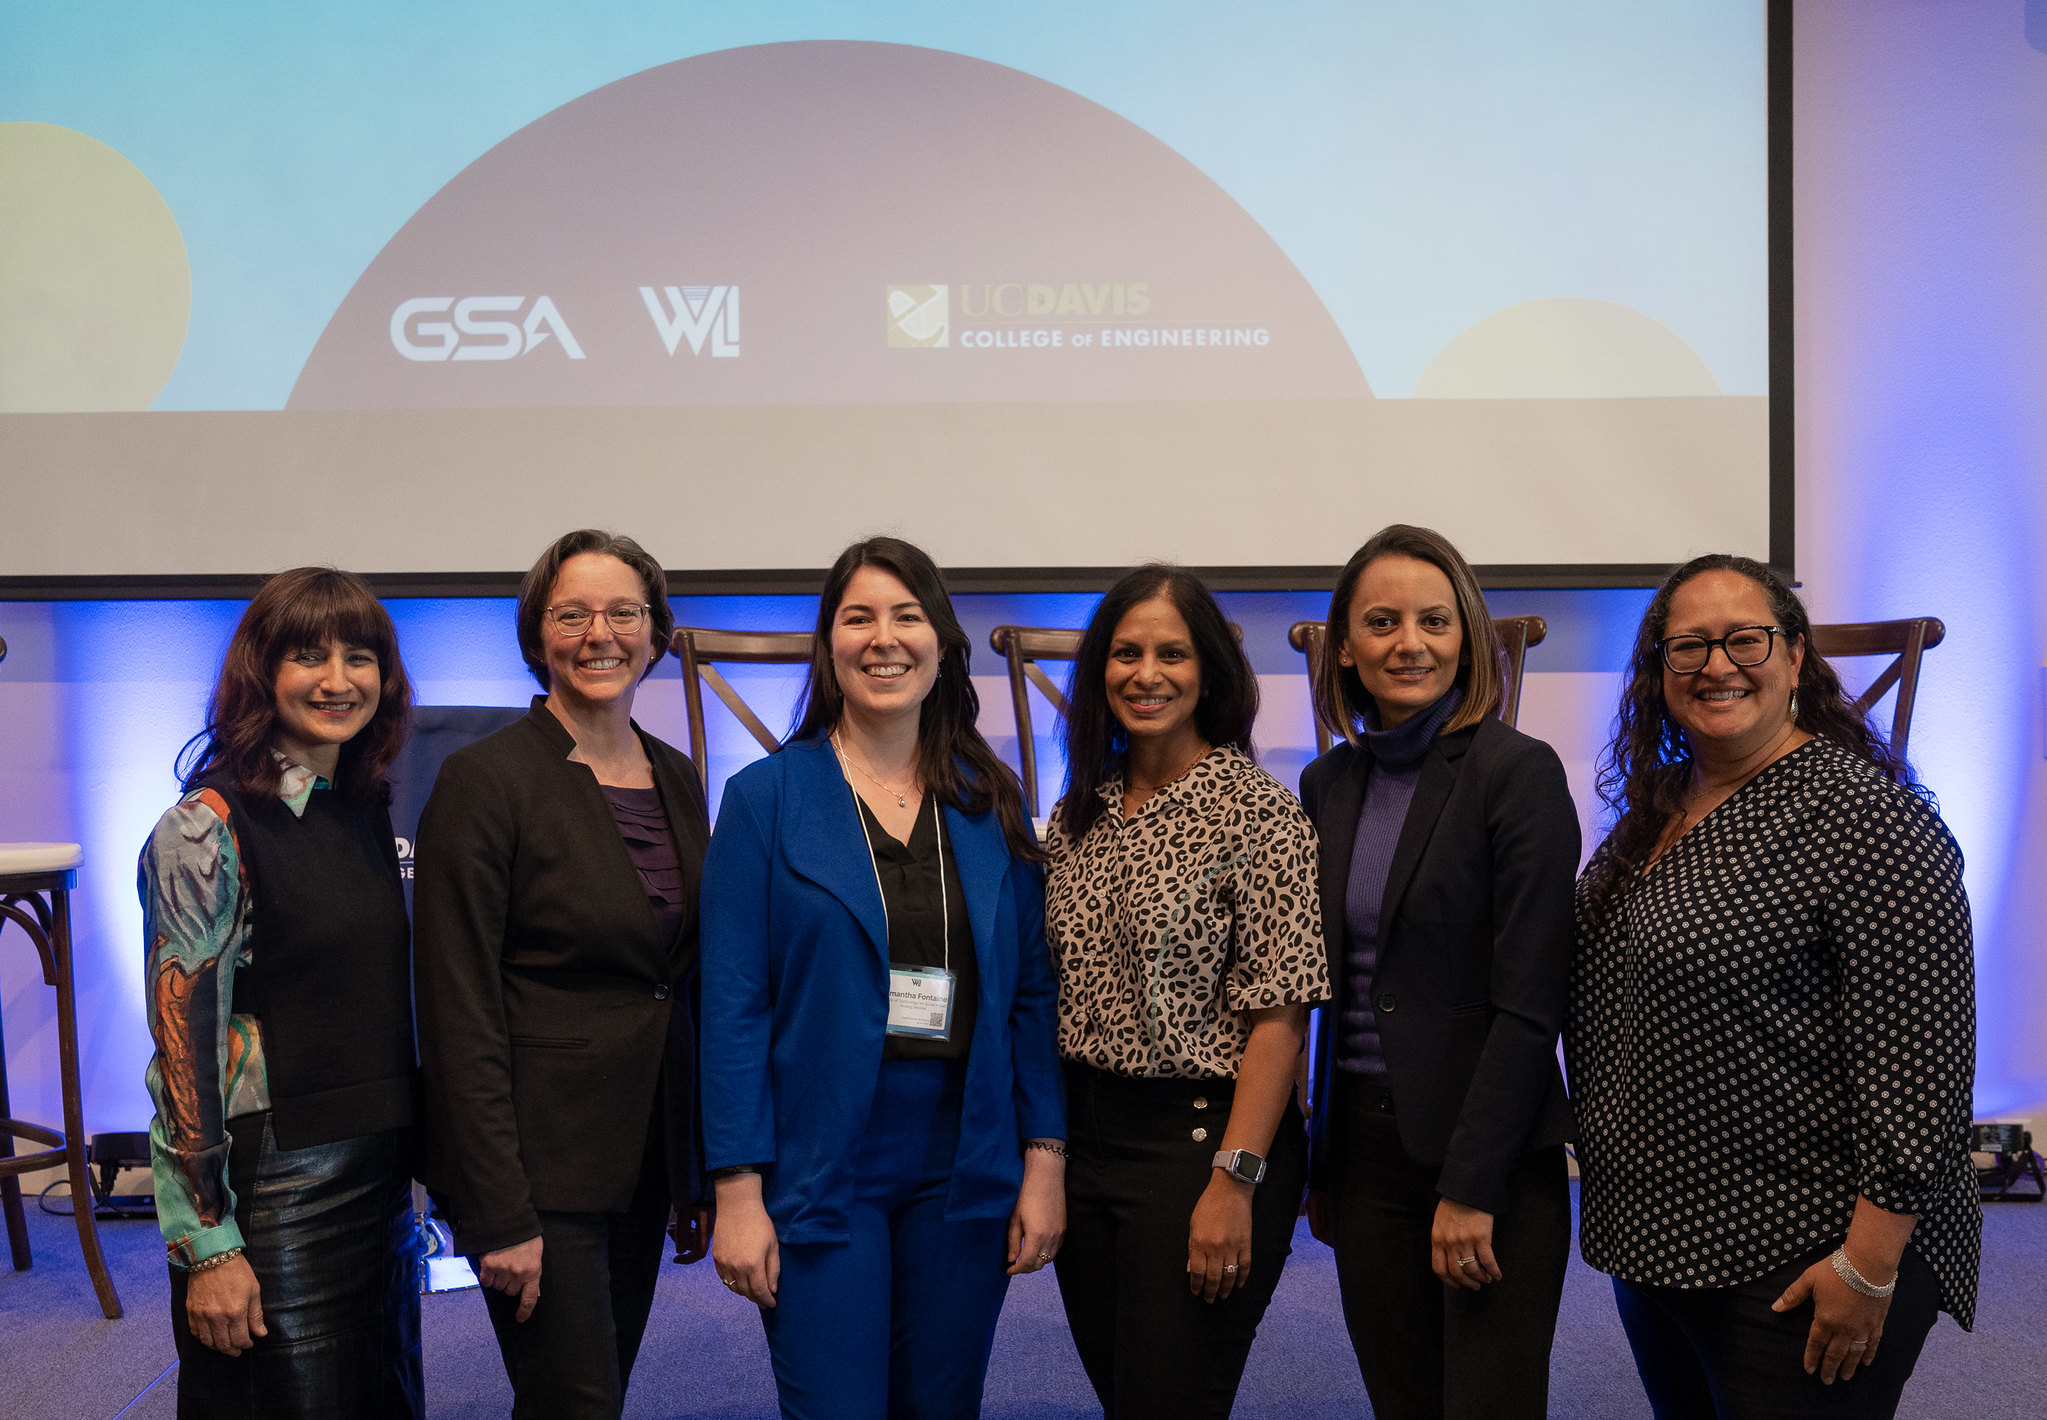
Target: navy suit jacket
[{"x": 795, "y": 972}]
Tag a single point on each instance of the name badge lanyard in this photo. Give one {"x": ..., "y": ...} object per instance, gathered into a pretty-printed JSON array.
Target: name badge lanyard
[{"x": 919, "y": 998}]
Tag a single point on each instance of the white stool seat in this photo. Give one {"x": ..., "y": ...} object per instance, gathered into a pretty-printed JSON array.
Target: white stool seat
[{"x": 39, "y": 857}]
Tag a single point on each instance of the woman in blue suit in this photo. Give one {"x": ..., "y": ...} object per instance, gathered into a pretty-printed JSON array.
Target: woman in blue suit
[{"x": 883, "y": 1108}]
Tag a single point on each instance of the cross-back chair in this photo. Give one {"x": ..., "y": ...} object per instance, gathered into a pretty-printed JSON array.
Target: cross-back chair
[
  {"x": 1906, "y": 640},
  {"x": 1517, "y": 634},
  {"x": 700, "y": 648}
]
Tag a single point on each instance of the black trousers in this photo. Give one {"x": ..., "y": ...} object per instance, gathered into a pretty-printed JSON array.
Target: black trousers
[
  {"x": 1427, "y": 1350},
  {"x": 572, "y": 1359},
  {"x": 329, "y": 1233},
  {"x": 1720, "y": 1353},
  {"x": 1141, "y": 1158}
]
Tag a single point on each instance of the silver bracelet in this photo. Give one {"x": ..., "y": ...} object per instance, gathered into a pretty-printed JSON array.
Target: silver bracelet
[{"x": 1845, "y": 1270}]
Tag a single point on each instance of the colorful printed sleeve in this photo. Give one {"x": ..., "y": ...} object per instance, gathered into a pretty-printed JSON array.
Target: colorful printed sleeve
[{"x": 195, "y": 924}]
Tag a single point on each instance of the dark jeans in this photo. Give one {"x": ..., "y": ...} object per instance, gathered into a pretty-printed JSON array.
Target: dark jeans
[
  {"x": 1149, "y": 1345},
  {"x": 329, "y": 1233},
  {"x": 1720, "y": 1353},
  {"x": 1427, "y": 1350},
  {"x": 572, "y": 1359}
]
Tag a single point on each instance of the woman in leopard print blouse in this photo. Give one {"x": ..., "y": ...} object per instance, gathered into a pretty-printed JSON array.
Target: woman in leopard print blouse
[{"x": 1183, "y": 913}]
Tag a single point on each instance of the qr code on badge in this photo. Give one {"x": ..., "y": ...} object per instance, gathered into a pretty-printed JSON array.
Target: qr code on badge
[{"x": 937, "y": 1020}]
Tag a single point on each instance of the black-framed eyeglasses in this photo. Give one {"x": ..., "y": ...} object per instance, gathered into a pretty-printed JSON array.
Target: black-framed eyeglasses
[
  {"x": 1745, "y": 646},
  {"x": 624, "y": 618}
]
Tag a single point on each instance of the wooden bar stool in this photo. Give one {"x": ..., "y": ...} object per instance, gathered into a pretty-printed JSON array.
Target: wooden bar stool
[{"x": 35, "y": 895}]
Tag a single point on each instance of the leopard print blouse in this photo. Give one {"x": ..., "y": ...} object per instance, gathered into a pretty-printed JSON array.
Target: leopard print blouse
[{"x": 1169, "y": 926}]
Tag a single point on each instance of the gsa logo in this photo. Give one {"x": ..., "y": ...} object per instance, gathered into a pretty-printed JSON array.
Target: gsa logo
[
  {"x": 694, "y": 312},
  {"x": 472, "y": 339}
]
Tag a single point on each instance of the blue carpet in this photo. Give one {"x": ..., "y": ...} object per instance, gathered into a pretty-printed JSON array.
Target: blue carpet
[{"x": 704, "y": 1355}]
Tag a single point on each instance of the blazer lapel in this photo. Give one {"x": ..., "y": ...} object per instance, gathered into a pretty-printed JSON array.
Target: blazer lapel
[
  {"x": 826, "y": 842},
  {"x": 594, "y": 825},
  {"x": 1431, "y": 792},
  {"x": 982, "y": 853},
  {"x": 679, "y": 796},
  {"x": 1339, "y": 831}
]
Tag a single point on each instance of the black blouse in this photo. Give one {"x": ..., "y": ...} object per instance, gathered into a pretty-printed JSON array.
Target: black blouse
[
  {"x": 916, "y": 932},
  {"x": 671, "y": 890},
  {"x": 1778, "y": 1016}
]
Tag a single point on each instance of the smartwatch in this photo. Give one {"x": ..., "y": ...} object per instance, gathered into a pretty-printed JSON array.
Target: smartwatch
[{"x": 1241, "y": 1165}]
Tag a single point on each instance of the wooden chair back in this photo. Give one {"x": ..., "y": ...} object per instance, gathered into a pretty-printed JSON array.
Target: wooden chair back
[
  {"x": 1906, "y": 641},
  {"x": 699, "y": 648},
  {"x": 1517, "y": 634},
  {"x": 1021, "y": 648}
]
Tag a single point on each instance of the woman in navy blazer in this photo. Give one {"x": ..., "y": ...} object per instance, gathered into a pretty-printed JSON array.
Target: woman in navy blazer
[
  {"x": 883, "y": 1106},
  {"x": 1449, "y": 848}
]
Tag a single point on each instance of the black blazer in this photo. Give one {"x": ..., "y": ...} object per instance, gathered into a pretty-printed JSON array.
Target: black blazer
[
  {"x": 1474, "y": 957},
  {"x": 547, "y": 1002}
]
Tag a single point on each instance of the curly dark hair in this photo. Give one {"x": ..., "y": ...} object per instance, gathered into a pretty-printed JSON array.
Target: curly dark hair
[
  {"x": 954, "y": 761},
  {"x": 1648, "y": 762},
  {"x": 305, "y": 608},
  {"x": 1096, "y": 744}
]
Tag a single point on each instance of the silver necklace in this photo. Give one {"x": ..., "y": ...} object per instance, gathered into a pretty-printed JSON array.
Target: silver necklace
[{"x": 902, "y": 795}]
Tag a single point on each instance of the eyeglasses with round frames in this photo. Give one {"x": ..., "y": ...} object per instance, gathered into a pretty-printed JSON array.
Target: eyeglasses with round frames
[
  {"x": 624, "y": 618},
  {"x": 1745, "y": 646}
]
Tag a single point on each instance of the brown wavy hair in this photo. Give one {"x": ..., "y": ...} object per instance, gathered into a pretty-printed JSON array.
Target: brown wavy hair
[
  {"x": 1340, "y": 696},
  {"x": 953, "y": 760},
  {"x": 1648, "y": 762},
  {"x": 305, "y": 608},
  {"x": 538, "y": 585},
  {"x": 1097, "y": 746}
]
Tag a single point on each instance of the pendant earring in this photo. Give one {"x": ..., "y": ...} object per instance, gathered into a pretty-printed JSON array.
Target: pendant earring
[{"x": 1794, "y": 707}]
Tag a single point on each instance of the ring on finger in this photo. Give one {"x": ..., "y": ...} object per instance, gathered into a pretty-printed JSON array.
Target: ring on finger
[
  {"x": 1858, "y": 1346},
  {"x": 1229, "y": 1267},
  {"x": 1466, "y": 1261}
]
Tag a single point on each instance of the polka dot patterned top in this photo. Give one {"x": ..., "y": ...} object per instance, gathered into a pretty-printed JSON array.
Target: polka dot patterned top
[
  {"x": 1169, "y": 925},
  {"x": 1778, "y": 1016}
]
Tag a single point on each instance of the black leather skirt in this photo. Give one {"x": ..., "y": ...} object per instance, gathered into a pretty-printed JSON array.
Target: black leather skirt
[{"x": 329, "y": 1233}]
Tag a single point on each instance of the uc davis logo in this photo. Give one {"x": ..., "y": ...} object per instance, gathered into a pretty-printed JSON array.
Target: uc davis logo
[
  {"x": 694, "y": 312},
  {"x": 919, "y": 316},
  {"x": 472, "y": 339}
]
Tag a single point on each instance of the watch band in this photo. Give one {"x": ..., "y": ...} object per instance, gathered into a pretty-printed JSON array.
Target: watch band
[{"x": 1240, "y": 1164}]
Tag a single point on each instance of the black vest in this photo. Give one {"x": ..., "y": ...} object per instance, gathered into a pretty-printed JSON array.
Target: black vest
[{"x": 331, "y": 972}]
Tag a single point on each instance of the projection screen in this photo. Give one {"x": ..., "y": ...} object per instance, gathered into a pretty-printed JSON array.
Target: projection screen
[{"x": 1049, "y": 288}]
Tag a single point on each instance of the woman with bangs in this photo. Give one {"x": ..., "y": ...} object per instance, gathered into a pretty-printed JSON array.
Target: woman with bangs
[
  {"x": 1449, "y": 841},
  {"x": 283, "y": 1139},
  {"x": 882, "y": 1109}
]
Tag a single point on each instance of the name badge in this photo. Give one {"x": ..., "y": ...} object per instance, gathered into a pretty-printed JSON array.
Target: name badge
[{"x": 920, "y": 1002}]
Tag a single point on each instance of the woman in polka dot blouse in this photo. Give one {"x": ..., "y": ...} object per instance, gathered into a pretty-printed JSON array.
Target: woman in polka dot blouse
[{"x": 1772, "y": 1029}]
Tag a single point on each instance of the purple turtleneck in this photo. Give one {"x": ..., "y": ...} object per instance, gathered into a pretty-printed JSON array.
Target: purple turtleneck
[{"x": 1397, "y": 756}]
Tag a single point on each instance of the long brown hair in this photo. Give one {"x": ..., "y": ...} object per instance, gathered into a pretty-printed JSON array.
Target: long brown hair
[
  {"x": 1648, "y": 761},
  {"x": 303, "y": 609},
  {"x": 1096, "y": 744},
  {"x": 1340, "y": 696},
  {"x": 955, "y": 763}
]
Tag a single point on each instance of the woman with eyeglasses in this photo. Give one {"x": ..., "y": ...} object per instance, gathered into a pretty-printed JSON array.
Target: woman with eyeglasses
[
  {"x": 1771, "y": 1037},
  {"x": 556, "y": 909}
]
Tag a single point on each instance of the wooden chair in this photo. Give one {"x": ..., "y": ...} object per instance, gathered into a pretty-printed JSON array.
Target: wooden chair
[
  {"x": 1906, "y": 640},
  {"x": 698, "y": 647},
  {"x": 1022, "y": 647},
  {"x": 1517, "y": 633},
  {"x": 35, "y": 895}
]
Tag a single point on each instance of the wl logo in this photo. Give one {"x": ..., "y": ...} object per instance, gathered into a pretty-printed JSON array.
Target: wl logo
[
  {"x": 472, "y": 339},
  {"x": 695, "y": 312}
]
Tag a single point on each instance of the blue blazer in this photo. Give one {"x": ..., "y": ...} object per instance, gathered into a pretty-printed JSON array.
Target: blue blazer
[{"x": 795, "y": 973}]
